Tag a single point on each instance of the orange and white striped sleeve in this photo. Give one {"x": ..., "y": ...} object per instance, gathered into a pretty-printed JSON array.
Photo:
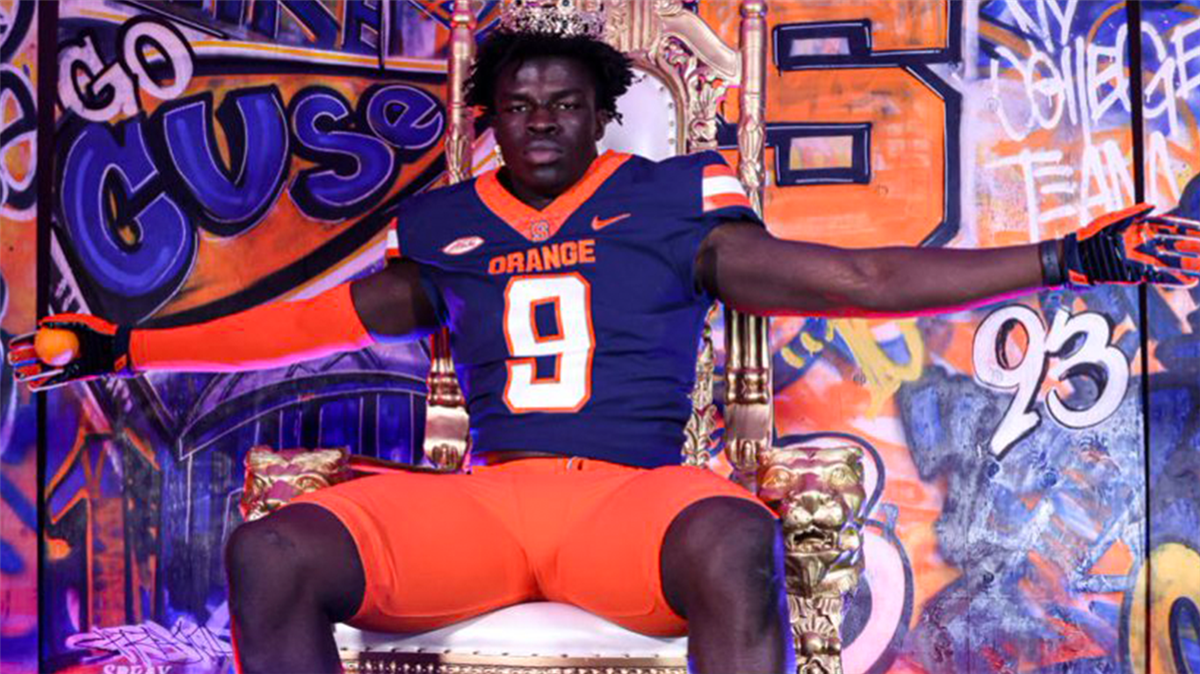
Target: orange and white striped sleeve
[
  {"x": 721, "y": 188},
  {"x": 392, "y": 251}
]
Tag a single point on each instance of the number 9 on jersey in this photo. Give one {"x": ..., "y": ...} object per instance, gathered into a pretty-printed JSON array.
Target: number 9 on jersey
[{"x": 571, "y": 342}]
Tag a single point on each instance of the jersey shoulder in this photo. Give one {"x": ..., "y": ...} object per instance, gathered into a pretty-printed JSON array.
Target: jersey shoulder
[
  {"x": 436, "y": 204},
  {"x": 703, "y": 183},
  {"x": 677, "y": 183},
  {"x": 424, "y": 216},
  {"x": 680, "y": 167},
  {"x": 694, "y": 163}
]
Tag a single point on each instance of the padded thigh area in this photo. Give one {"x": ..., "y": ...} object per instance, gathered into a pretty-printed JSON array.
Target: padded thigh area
[{"x": 437, "y": 549}]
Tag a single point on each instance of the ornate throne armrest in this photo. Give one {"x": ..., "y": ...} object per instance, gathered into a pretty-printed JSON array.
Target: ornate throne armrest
[{"x": 275, "y": 477}]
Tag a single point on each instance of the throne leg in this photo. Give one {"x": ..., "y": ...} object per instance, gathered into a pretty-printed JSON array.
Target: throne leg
[
  {"x": 816, "y": 627},
  {"x": 818, "y": 494}
]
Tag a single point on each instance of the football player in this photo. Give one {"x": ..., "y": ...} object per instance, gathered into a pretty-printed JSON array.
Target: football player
[{"x": 574, "y": 285}]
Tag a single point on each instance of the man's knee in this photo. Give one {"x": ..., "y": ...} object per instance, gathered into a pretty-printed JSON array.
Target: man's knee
[
  {"x": 723, "y": 546},
  {"x": 299, "y": 551},
  {"x": 253, "y": 542},
  {"x": 263, "y": 549},
  {"x": 723, "y": 531}
]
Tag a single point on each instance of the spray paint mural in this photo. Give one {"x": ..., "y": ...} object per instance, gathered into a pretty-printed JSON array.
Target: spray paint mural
[
  {"x": 18, "y": 243},
  {"x": 1013, "y": 436},
  {"x": 210, "y": 156},
  {"x": 1171, "y": 636}
]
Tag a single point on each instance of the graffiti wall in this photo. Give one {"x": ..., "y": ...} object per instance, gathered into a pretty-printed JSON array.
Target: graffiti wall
[
  {"x": 1028, "y": 511},
  {"x": 18, "y": 259},
  {"x": 209, "y": 157},
  {"x": 1010, "y": 520},
  {"x": 1171, "y": 634}
]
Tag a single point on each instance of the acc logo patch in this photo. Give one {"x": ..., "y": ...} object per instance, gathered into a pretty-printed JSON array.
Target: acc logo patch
[{"x": 463, "y": 245}]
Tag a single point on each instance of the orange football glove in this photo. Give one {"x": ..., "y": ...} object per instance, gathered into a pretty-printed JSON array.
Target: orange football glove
[
  {"x": 103, "y": 349},
  {"x": 1131, "y": 246}
]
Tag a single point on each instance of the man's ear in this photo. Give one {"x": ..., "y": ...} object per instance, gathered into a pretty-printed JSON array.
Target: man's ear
[{"x": 603, "y": 117}]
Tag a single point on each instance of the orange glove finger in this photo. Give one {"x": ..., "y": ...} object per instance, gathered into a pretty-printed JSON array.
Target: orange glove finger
[
  {"x": 1182, "y": 225},
  {"x": 1183, "y": 233},
  {"x": 1184, "y": 263},
  {"x": 1132, "y": 213},
  {"x": 35, "y": 375},
  {"x": 39, "y": 377},
  {"x": 1180, "y": 280},
  {"x": 21, "y": 351},
  {"x": 1165, "y": 242}
]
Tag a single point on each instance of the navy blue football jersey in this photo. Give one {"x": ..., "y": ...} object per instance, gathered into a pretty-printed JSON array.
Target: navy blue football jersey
[{"x": 575, "y": 328}]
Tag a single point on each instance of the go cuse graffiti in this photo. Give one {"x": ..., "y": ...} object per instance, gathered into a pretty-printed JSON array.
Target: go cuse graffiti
[{"x": 134, "y": 194}]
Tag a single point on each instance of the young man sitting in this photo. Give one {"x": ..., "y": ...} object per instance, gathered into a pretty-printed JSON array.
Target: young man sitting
[{"x": 574, "y": 286}]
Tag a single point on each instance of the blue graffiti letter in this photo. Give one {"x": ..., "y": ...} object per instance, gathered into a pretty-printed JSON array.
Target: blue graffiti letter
[
  {"x": 232, "y": 200},
  {"x": 147, "y": 243},
  {"x": 361, "y": 28},
  {"x": 405, "y": 116},
  {"x": 315, "y": 20},
  {"x": 353, "y": 170}
]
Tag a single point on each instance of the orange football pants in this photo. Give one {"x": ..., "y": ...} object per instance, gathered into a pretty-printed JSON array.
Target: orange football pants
[{"x": 437, "y": 549}]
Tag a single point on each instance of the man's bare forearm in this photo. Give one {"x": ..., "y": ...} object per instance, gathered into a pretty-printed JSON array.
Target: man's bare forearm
[
  {"x": 752, "y": 271},
  {"x": 902, "y": 281}
]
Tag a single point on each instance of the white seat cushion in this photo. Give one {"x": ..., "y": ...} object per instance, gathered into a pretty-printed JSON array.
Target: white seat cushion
[{"x": 533, "y": 629}]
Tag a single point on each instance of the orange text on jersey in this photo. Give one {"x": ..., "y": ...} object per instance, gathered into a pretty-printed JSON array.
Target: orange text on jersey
[{"x": 545, "y": 258}]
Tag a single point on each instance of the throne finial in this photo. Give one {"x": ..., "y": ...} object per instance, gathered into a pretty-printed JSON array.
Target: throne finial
[{"x": 565, "y": 18}]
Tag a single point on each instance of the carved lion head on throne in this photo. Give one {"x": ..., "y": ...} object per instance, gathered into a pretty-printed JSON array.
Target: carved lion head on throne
[{"x": 818, "y": 493}]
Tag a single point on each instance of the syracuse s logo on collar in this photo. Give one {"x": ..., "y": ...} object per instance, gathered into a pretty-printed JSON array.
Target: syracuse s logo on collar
[{"x": 464, "y": 245}]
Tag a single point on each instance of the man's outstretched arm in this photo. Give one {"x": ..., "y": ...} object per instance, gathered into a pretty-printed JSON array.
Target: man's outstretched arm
[
  {"x": 388, "y": 304},
  {"x": 752, "y": 271},
  {"x": 392, "y": 303}
]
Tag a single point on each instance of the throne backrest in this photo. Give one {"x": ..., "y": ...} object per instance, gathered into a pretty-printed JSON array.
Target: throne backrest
[
  {"x": 684, "y": 71},
  {"x": 652, "y": 136}
]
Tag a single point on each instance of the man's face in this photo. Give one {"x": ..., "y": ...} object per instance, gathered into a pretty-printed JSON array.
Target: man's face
[{"x": 547, "y": 125}]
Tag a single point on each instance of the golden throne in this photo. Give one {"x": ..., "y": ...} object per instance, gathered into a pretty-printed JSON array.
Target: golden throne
[{"x": 684, "y": 71}]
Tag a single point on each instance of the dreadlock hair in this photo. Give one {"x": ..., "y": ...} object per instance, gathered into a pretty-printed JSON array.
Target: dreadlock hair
[{"x": 612, "y": 71}]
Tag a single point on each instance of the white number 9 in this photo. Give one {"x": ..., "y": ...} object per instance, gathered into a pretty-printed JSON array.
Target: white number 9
[
  {"x": 572, "y": 344},
  {"x": 992, "y": 369}
]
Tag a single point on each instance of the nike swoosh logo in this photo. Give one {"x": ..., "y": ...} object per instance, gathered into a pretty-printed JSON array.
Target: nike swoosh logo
[{"x": 598, "y": 224}]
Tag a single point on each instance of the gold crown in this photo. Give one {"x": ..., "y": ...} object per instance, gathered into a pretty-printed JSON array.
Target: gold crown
[{"x": 565, "y": 18}]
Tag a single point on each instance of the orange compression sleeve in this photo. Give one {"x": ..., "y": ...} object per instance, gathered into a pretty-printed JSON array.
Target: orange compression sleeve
[{"x": 270, "y": 335}]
